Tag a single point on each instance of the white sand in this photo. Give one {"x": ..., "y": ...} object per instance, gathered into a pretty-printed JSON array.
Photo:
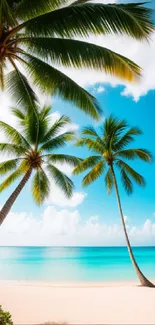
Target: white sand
[{"x": 36, "y": 303}]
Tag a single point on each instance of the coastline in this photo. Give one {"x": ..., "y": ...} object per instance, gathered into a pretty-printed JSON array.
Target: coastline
[{"x": 121, "y": 302}]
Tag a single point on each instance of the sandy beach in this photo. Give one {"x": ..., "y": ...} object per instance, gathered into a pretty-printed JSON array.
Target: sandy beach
[{"x": 83, "y": 303}]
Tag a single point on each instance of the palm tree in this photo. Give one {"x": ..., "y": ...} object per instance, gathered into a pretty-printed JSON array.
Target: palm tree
[
  {"x": 41, "y": 34},
  {"x": 34, "y": 156},
  {"x": 110, "y": 149}
]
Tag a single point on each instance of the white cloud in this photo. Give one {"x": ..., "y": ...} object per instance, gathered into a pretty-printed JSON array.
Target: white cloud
[
  {"x": 100, "y": 89},
  {"x": 58, "y": 198},
  {"x": 64, "y": 227}
]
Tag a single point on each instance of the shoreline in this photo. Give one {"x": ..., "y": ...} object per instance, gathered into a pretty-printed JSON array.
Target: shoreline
[
  {"x": 73, "y": 284},
  {"x": 121, "y": 302}
]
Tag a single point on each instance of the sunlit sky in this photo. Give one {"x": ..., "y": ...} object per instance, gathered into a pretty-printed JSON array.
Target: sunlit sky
[{"x": 91, "y": 217}]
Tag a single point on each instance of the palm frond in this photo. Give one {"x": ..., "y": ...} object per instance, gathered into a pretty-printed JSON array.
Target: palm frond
[
  {"x": 11, "y": 149},
  {"x": 143, "y": 154},
  {"x": 127, "y": 183},
  {"x": 6, "y": 15},
  {"x": 91, "y": 144},
  {"x": 28, "y": 9},
  {"x": 20, "y": 90},
  {"x": 18, "y": 113},
  {"x": 10, "y": 179},
  {"x": 87, "y": 163},
  {"x": 80, "y": 54},
  {"x": 139, "y": 179},
  {"x": 14, "y": 136},
  {"x": 94, "y": 174},
  {"x": 89, "y": 130},
  {"x": 64, "y": 182},
  {"x": 113, "y": 127},
  {"x": 127, "y": 138},
  {"x": 40, "y": 186},
  {"x": 63, "y": 158},
  {"x": 56, "y": 128},
  {"x": 79, "y": 2},
  {"x": 9, "y": 165},
  {"x": 59, "y": 84},
  {"x": 109, "y": 182},
  {"x": 82, "y": 20},
  {"x": 45, "y": 112},
  {"x": 57, "y": 142}
]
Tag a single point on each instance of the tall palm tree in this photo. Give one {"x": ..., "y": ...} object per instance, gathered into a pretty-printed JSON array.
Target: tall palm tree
[
  {"x": 44, "y": 33},
  {"x": 111, "y": 152},
  {"x": 33, "y": 155}
]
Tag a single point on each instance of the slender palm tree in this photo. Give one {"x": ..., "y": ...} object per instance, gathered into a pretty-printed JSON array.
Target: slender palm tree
[
  {"x": 41, "y": 34},
  {"x": 33, "y": 155},
  {"x": 111, "y": 153}
]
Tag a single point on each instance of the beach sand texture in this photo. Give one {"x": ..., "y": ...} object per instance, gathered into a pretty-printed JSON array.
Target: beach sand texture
[{"x": 116, "y": 303}]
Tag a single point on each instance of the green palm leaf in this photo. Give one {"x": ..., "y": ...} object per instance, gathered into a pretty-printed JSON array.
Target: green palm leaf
[
  {"x": 63, "y": 158},
  {"x": 20, "y": 90},
  {"x": 127, "y": 138},
  {"x": 143, "y": 154},
  {"x": 89, "y": 130},
  {"x": 64, "y": 182},
  {"x": 94, "y": 174},
  {"x": 139, "y": 179},
  {"x": 91, "y": 144},
  {"x": 81, "y": 20},
  {"x": 56, "y": 128},
  {"x": 6, "y": 15},
  {"x": 89, "y": 162},
  {"x": 10, "y": 179},
  {"x": 60, "y": 84},
  {"x": 40, "y": 186},
  {"x": 126, "y": 182},
  {"x": 79, "y": 54},
  {"x": 18, "y": 113},
  {"x": 29, "y": 9},
  {"x": 13, "y": 135},
  {"x": 9, "y": 165},
  {"x": 109, "y": 182},
  {"x": 10, "y": 149},
  {"x": 57, "y": 142}
]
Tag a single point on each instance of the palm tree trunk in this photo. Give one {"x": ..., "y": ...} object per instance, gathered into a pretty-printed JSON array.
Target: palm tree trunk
[
  {"x": 143, "y": 280},
  {"x": 9, "y": 203}
]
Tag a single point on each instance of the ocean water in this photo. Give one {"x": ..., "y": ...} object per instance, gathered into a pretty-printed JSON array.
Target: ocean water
[{"x": 74, "y": 263}]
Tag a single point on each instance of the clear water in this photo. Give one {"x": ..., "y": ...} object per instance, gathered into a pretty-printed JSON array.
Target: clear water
[{"x": 74, "y": 263}]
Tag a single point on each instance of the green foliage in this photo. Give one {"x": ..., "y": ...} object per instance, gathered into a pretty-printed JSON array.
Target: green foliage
[
  {"x": 44, "y": 33},
  {"x": 33, "y": 149},
  {"x": 111, "y": 146},
  {"x": 5, "y": 317}
]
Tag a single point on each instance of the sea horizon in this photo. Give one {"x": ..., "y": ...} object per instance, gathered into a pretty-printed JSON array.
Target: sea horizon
[{"x": 74, "y": 263}]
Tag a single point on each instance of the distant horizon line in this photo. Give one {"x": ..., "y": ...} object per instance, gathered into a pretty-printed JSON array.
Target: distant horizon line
[{"x": 77, "y": 246}]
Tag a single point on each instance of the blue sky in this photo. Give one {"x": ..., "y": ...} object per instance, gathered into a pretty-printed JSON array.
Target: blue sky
[{"x": 135, "y": 103}]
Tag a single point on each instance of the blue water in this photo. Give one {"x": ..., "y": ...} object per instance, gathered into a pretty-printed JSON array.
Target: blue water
[{"x": 74, "y": 263}]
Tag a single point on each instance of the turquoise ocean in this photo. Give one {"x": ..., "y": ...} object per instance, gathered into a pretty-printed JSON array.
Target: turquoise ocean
[{"x": 74, "y": 263}]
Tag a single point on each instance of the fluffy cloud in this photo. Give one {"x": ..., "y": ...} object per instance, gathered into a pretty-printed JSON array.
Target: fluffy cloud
[
  {"x": 98, "y": 90},
  {"x": 64, "y": 227},
  {"x": 58, "y": 198}
]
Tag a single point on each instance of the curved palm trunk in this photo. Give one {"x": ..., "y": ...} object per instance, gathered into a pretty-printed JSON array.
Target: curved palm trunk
[
  {"x": 9, "y": 203},
  {"x": 143, "y": 280}
]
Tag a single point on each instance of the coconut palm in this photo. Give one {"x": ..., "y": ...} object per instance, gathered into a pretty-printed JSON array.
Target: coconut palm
[
  {"x": 46, "y": 35},
  {"x": 33, "y": 155},
  {"x": 111, "y": 152}
]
